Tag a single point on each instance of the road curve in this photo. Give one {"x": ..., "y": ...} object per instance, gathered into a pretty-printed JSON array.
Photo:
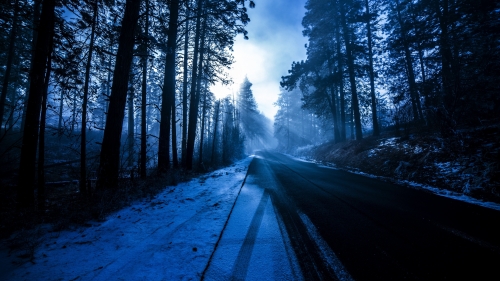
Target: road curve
[{"x": 378, "y": 230}]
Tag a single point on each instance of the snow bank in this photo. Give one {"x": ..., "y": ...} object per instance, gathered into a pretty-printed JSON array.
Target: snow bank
[{"x": 168, "y": 238}]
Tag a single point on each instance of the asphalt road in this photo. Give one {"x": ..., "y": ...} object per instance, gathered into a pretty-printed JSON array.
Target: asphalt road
[{"x": 378, "y": 230}]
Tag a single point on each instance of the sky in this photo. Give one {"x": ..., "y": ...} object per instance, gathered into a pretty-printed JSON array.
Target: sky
[{"x": 275, "y": 41}]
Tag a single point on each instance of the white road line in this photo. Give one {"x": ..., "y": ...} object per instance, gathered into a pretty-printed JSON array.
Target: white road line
[{"x": 326, "y": 253}]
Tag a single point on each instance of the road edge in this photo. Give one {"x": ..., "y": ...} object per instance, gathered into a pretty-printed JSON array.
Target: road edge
[{"x": 225, "y": 223}]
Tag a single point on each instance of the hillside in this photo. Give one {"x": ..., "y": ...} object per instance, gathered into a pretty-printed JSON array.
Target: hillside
[{"x": 466, "y": 163}]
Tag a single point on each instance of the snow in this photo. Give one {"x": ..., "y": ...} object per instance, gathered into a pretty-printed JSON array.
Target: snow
[
  {"x": 447, "y": 168},
  {"x": 220, "y": 226},
  {"x": 418, "y": 150},
  {"x": 454, "y": 195},
  {"x": 170, "y": 237},
  {"x": 389, "y": 142},
  {"x": 265, "y": 253}
]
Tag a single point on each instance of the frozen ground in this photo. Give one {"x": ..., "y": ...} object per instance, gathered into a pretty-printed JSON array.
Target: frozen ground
[{"x": 170, "y": 237}]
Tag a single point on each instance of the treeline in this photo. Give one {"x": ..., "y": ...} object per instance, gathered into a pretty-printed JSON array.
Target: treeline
[
  {"x": 140, "y": 67},
  {"x": 296, "y": 126},
  {"x": 415, "y": 63},
  {"x": 256, "y": 128}
]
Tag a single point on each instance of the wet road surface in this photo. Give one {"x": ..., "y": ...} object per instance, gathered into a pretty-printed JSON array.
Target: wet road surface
[{"x": 374, "y": 230}]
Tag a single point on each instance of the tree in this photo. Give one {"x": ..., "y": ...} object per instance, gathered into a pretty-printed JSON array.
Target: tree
[
  {"x": 83, "y": 138},
  {"x": 376, "y": 129},
  {"x": 185, "y": 89},
  {"x": 168, "y": 93},
  {"x": 227, "y": 19},
  {"x": 194, "y": 100},
  {"x": 348, "y": 41},
  {"x": 255, "y": 127},
  {"x": 409, "y": 61},
  {"x": 10, "y": 58},
  {"x": 145, "y": 55},
  {"x": 292, "y": 126},
  {"x": 110, "y": 151},
  {"x": 30, "y": 135}
]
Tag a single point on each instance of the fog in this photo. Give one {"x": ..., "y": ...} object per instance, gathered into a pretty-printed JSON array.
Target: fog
[{"x": 275, "y": 40}]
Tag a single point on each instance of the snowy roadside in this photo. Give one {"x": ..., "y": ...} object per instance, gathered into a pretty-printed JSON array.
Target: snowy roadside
[
  {"x": 434, "y": 190},
  {"x": 170, "y": 237}
]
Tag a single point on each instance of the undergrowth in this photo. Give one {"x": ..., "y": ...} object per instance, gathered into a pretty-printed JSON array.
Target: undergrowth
[{"x": 65, "y": 208}]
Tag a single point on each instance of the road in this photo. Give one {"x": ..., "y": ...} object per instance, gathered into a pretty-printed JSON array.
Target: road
[{"x": 377, "y": 230}]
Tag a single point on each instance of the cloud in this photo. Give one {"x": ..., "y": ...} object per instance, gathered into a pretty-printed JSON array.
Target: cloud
[{"x": 276, "y": 41}]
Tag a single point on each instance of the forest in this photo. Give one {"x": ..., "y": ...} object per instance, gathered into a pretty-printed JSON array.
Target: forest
[
  {"x": 118, "y": 158},
  {"x": 372, "y": 64},
  {"x": 405, "y": 89},
  {"x": 98, "y": 93}
]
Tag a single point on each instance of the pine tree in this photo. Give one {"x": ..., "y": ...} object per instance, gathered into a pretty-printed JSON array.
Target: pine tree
[
  {"x": 38, "y": 75},
  {"x": 110, "y": 151}
]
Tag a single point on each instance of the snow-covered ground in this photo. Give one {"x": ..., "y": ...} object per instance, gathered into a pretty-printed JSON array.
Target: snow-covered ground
[
  {"x": 254, "y": 244},
  {"x": 170, "y": 237}
]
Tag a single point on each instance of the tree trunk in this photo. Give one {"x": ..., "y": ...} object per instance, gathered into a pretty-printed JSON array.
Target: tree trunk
[
  {"x": 341, "y": 84},
  {"x": 25, "y": 191},
  {"x": 200, "y": 71},
  {"x": 35, "y": 26},
  {"x": 202, "y": 134},
  {"x": 332, "y": 102},
  {"x": 83, "y": 139},
  {"x": 73, "y": 117},
  {"x": 352, "y": 78},
  {"x": 168, "y": 93},
  {"x": 376, "y": 129},
  {"x": 445, "y": 50},
  {"x": 214, "y": 142},
  {"x": 131, "y": 121},
  {"x": 175, "y": 157},
  {"x": 108, "y": 83},
  {"x": 409, "y": 67},
  {"x": 41, "y": 143},
  {"x": 224, "y": 147},
  {"x": 61, "y": 101},
  {"x": 144, "y": 96},
  {"x": 10, "y": 57},
  {"x": 13, "y": 102},
  {"x": 184, "y": 92},
  {"x": 352, "y": 123},
  {"x": 193, "y": 106},
  {"x": 110, "y": 151}
]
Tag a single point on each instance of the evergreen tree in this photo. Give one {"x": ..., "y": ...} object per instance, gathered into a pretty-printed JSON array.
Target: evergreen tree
[
  {"x": 38, "y": 75},
  {"x": 110, "y": 151},
  {"x": 254, "y": 125}
]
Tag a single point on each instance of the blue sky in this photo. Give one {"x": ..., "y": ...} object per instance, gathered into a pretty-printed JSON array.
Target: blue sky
[{"x": 276, "y": 40}]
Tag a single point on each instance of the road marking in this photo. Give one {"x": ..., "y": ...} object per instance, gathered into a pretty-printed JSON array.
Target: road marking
[{"x": 326, "y": 253}]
